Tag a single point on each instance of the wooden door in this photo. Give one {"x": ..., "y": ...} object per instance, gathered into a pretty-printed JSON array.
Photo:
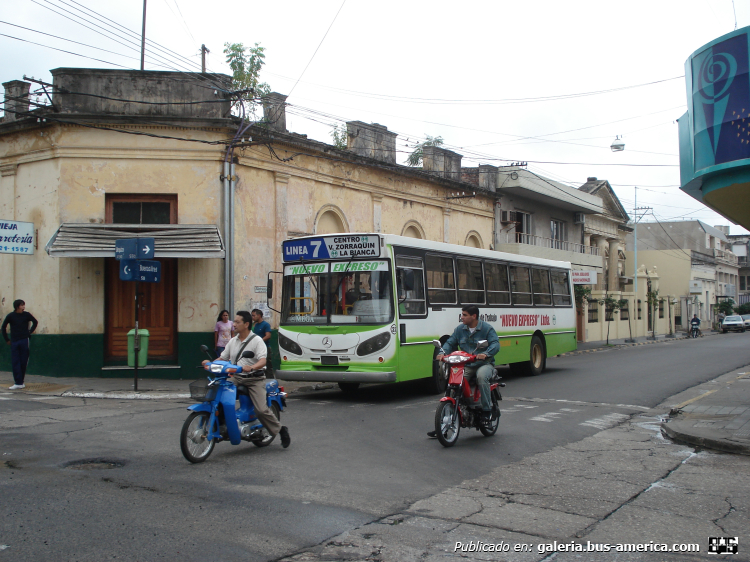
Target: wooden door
[{"x": 158, "y": 311}]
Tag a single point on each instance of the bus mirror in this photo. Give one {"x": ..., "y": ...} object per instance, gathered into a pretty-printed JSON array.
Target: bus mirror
[
  {"x": 483, "y": 344},
  {"x": 436, "y": 343},
  {"x": 407, "y": 279},
  {"x": 269, "y": 289}
]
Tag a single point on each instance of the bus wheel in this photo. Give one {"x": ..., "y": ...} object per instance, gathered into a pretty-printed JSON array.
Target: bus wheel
[
  {"x": 438, "y": 382},
  {"x": 348, "y": 387},
  {"x": 537, "y": 359}
]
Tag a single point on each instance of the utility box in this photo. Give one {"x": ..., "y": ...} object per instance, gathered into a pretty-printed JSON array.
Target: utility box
[{"x": 143, "y": 336}]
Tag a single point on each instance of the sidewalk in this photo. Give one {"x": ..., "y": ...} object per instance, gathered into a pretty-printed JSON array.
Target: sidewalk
[{"x": 592, "y": 346}]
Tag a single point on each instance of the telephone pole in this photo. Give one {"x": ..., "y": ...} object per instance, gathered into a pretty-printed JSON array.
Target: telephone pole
[
  {"x": 203, "y": 58},
  {"x": 143, "y": 37},
  {"x": 636, "y": 218}
]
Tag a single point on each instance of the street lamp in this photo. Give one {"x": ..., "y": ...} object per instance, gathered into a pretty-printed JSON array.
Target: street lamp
[{"x": 617, "y": 145}]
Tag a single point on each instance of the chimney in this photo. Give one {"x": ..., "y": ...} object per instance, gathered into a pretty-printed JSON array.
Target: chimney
[
  {"x": 723, "y": 228},
  {"x": 16, "y": 100},
  {"x": 591, "y": 178},
  {"x": 371, "y": 141},
  {"x": 488, "y": 177},
  {"x": 274, "y": 111},
  {"x": 442, "y": 162}
]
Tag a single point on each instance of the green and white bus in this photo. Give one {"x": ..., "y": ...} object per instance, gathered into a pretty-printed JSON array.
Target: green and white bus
[{"x": 364, "y": 308}]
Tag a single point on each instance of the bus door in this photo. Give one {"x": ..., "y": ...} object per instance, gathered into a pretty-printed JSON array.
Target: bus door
[{"x": 415, "y": 334}]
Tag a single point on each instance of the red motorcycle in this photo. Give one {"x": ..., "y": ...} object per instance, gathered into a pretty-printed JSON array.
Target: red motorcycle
[{"x": 461, "y": 406}]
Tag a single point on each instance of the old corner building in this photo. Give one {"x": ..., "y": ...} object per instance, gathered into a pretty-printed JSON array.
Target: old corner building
[{"x": 120, "y": 154}]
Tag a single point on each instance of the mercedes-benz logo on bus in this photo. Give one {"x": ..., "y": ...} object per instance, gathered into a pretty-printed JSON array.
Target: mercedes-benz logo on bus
[{"x": 326, "y": 342}]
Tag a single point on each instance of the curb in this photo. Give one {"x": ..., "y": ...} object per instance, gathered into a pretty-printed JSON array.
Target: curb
[
  {"x": 705, "y": 442},
  {"x": 124, "y": 395},
  {"x": 624, "y": 345}
]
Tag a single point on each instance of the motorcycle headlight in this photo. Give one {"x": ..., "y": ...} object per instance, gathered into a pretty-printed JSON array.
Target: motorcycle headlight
[
  {"x": 455, "y": 359},
  {"x": 289, "y": 345},
  {"x": 216, "y": 368},
  {"x": 372, "y": 345}
]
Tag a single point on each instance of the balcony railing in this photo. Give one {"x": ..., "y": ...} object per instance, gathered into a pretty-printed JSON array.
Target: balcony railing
[
  {"x": 532, "y": 240},
  {"x": 726, "y": 257}
]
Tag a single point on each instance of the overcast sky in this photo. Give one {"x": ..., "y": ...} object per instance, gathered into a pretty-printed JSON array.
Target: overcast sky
[{"x": 471, "y": 72}]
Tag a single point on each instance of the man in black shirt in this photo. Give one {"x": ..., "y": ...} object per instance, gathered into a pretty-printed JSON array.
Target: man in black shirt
[{"x": 19, "y": 340}]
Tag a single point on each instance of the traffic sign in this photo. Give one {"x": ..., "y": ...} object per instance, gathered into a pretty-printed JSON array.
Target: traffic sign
[
  {"x": 134, "y": 249},
  {"x": 127, "y": 270},
  {"x": 148, "y": 271}
]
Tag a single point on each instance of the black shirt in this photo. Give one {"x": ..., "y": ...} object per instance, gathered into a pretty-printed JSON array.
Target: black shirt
[{"x": 19, "y": 325}]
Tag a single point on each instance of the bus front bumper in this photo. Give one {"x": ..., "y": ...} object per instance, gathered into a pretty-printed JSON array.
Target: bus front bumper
[{"x": 336, "y": 376}]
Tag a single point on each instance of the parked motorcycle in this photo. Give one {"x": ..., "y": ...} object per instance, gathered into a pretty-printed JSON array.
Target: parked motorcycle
[
  {"x": 216, "y": 418},
  {"x": 461, "y": 406}
]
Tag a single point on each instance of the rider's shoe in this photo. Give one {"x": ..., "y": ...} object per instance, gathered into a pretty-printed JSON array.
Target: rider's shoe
[
  {"x": 432, "y": 434},
  {"x": 285, "y": 439},
  {"x": 486, "y": 416}
]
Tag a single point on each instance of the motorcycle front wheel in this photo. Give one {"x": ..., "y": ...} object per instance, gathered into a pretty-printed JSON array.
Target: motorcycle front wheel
[
  {"x": 445, "y": 428},
  {"x": 267, "y": 438},
  {"x": 193, "y": 443}
]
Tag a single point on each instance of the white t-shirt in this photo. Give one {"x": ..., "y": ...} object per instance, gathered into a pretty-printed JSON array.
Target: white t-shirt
[{"x": 256, "y": 345}]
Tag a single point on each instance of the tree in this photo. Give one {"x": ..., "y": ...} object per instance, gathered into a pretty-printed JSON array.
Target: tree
[
  {"x": 415, "y": 158},
  {"x": 743, "y": 308},
  {"x": 613, "y": 305},
  {"x": 246, "y": 63},
  {"x": 339, "y": 134},
  {"x": 726, "y": 306}
]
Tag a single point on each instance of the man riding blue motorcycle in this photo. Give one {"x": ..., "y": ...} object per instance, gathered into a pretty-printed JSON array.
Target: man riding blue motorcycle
[{"x": 252, "y": 375}]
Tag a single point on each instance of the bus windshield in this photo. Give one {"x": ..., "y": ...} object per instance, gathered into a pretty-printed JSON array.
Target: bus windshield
[{"x": 350, "y": 292}]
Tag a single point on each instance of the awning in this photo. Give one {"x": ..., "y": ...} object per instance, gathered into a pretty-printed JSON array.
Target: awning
[{"x": 170, "y": 240}]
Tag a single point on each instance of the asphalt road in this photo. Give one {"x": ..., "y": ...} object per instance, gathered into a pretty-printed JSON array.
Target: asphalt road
[{"x": 352, "y": 459}]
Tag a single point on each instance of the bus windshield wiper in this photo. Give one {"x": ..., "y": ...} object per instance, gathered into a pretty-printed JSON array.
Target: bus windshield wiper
[
  {"x": 310, "y": 275},
  {"x": 346, "y": 269}
]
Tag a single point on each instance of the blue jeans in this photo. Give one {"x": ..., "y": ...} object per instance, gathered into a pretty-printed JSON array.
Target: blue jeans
[
  {"x": 219, "y": 351},
  {"x": 484, "y": 373},
  {"x": 19, "y": 358}
]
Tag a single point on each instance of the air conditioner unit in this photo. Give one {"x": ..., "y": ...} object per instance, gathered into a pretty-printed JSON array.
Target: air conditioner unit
[
  {"x": 579, "y": 218},
  {"x": 508, "y": 216}
]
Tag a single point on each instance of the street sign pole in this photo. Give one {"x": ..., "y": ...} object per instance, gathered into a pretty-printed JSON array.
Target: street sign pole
[{"x": 136, "y": 342}]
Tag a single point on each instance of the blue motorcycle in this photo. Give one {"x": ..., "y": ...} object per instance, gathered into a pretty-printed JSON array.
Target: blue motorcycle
[{"x": 217, "y": 419}]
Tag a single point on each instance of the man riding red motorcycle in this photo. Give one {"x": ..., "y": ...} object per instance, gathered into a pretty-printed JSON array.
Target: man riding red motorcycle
[{"x": 465, "y": 337}]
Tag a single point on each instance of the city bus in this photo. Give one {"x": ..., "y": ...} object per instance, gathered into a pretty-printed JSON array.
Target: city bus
[{"x": 365, "y": 308}]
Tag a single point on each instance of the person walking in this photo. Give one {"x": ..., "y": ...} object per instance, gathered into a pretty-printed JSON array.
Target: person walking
[
  {"x": 223, "y": 332},
  {"x": 262, "y": 329},
  {"x": 19, "y": 340}
]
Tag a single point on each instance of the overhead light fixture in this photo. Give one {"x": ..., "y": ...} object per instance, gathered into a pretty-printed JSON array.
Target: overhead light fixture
[{"x": 617, "y": 145}]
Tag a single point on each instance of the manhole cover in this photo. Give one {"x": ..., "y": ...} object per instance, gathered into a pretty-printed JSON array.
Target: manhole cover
[{"x": 95, "y": 464}]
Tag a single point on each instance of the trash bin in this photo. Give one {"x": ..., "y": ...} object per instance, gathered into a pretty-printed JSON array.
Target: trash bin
[{"x": 143, "y": 335}]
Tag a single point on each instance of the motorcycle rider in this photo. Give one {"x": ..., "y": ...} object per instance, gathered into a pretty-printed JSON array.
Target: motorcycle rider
[
  {"x": 465, "y": 337},
  {"x": 695, "y": 322},
  {"x": 251, "y": 375}
]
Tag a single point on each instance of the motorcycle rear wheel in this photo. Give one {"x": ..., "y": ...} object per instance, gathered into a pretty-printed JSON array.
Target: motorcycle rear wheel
[
  {"x": 490, "y": 429},
  {"x": 195, "y": 447},
  {"x": 267, "y": 438},
  {"x": 447, "y": 433}
]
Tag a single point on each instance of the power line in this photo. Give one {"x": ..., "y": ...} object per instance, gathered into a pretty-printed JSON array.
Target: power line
[
  {"x": 64, "y": 51},
  {"x": 318, "y": 47}
]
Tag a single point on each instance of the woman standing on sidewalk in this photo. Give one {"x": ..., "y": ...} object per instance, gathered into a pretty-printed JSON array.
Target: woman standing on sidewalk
[
  {"x": 223, "y": 332},
  {"x": 19, "y": 340}
]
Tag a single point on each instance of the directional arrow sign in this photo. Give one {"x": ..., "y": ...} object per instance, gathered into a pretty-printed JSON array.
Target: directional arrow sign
[
  {"x": 148, "y": 271},
  {"x": 127, "y": 249},
  {"x": 127, "y": 270},
  {"x": 145, "y": 248}
]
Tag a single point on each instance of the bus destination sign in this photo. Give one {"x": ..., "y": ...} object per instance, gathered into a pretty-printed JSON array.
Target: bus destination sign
[{"x": 333, "y": 247}]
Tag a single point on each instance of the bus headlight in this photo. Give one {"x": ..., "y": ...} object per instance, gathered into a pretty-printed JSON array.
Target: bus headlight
[
  {"x": 372, "y": 345},
  {"x": 289, "y": 345}
]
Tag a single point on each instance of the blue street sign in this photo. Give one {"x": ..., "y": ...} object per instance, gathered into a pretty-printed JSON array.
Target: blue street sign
[
  {"x": 126, "y": 249},
  {"x": 127, "y": 270},
  {"x": 148, "y": 271},
  {"x": 145, "y": 248},
  {"x": 134, "y": 249}
]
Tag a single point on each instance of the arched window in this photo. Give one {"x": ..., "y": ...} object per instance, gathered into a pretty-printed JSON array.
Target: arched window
[
  {"x": 412, "y": 229},
  {"x": 330, "y": 220},
  {"x": 473, "y": 240}
]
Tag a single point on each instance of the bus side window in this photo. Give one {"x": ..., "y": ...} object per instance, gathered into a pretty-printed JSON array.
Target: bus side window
[{"x": 410, "y": 286}]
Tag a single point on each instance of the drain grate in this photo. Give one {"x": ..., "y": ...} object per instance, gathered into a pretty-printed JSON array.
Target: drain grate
[{"x": 95, "y": 464}]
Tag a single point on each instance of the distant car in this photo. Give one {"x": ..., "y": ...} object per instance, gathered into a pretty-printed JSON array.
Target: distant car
[
  {"x": 746, "y": 320},
  {"x": 735, "y": 323}
]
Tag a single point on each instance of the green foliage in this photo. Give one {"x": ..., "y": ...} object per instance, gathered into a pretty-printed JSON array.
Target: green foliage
[
  {"x": 726, "y": 306},
  {"x": 246, "y": 63},
  {"x": 652, "y": 298},
  {"x": 339, "y": 134},
  {"x": 415, "y": 158},
  {"x": 743, "y": 308},
  {"x": 582, "y": 294}
]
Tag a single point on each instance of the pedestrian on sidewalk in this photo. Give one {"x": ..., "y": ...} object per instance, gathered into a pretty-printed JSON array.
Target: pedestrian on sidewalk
[
  {"x": 223, "y": 332},
  {"x": 19, "y": 340},
  {"x": 262, "y": 329}
]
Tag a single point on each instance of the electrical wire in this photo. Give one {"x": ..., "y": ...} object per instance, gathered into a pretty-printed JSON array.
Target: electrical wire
[{"x": 64, "y": 51}]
